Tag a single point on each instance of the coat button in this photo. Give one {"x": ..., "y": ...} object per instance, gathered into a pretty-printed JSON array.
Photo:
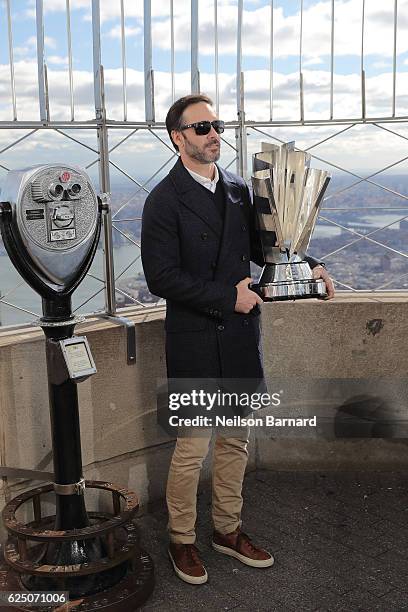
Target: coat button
[
  {"x": 220, "y": 327},
  {"x": 245, "y": 322},
  {"x": 213, "y": 265},
  {"x": 204, "y": 236},
  {"x": 243, "y": 227},
  {"x": 244, "y": 258}
]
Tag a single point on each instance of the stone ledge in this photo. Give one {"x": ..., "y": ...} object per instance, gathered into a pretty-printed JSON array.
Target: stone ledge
[{"x": 28, "y": 333}]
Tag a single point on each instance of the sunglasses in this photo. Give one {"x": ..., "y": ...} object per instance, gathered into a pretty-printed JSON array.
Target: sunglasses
[{"x": 203, "y": 127}]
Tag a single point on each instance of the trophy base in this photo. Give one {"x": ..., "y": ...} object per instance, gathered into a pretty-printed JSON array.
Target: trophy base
[
  {"x": 289, "y": 280},
  {"x": 294, "y": 290}
]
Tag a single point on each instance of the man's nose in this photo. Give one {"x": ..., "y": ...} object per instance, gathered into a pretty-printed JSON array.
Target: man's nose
[{"x": 213, "y": 133}]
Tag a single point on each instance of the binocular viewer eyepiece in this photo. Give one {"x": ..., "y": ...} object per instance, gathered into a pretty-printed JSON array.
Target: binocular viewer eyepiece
[
  {"x": 44, "y": 191},
  {"x": 50, "y": 225}
]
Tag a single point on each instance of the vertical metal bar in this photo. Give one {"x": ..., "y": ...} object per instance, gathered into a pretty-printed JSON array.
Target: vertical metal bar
[
  {"x": 241, "y": 132},
  {"x": 104, "y": 182},
  {"x": 11, "y": 60},
  {"x": 363, "y": 100},
  {"x": 332, "y": 62},
  {"x": 148, "y": 67},
  {"x": 217, "y": 80},
  {"x": 123, "y": 37},
  {"x": 173, "y": 89},
  {"x": 46, "y": 94},
  {"x": 271, "y": 68},
  {"x": 96, "y": 37},
  {"x": 40, "y": 58},
  {"x": 239, "y": 53},
  {"x": 394, "y": 61},
  {"x": 103, "y": 148},
  {"x": 301, "y": 100},
  {"x": 195, "y": 75},
  {"x": 70, "y": 72}
]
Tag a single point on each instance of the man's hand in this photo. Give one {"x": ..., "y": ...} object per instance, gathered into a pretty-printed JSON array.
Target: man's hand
[
  {"x": 320, "y": 272},
  {"x": 246, "y": 299}
]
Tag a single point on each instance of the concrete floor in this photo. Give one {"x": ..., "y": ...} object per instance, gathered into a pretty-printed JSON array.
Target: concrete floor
[{"x": 340, "y": 542}]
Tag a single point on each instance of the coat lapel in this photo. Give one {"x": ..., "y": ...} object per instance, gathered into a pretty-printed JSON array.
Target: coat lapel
[
  {"x": 193, "y": 196},
  {"x": 233, "y": 197}
]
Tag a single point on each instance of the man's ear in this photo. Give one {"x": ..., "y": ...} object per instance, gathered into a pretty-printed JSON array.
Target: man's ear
[{"x": 177, "y": 138}]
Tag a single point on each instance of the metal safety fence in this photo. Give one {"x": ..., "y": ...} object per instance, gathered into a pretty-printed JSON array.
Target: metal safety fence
[{"x": 103, "y": 103}]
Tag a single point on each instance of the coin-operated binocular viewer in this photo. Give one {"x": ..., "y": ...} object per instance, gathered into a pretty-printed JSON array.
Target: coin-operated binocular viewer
[{"x": 50, "y": 219}]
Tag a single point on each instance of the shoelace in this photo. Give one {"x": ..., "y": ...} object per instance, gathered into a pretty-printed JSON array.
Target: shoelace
[
  {"x": 243, "y": 536},
  {"x": 192, "y": 554}
]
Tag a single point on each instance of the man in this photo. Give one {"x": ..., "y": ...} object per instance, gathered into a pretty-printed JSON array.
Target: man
[{"x": 198, "y": 237}]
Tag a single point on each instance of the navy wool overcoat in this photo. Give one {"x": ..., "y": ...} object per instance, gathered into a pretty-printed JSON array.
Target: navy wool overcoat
[{"x": 194, "y": 260}]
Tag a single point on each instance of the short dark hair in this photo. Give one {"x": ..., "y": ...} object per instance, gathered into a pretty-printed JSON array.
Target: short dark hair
[{"x": 175, "y": 114}]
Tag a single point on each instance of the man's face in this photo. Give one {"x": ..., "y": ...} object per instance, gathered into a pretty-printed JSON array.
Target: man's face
[{"x": 202, "y": 149}]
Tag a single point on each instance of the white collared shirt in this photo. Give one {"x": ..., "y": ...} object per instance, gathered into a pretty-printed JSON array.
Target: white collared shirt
[{"x": 204, "y": 181}]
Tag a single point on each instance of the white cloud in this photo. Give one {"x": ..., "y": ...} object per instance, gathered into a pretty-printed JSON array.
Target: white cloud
[
  {"x": 30, "y": 46},
  {"x": 382, "y": 64},
  {"x": 313, "y": 61},
  {"x": 49, "y": 42},
  {"x": 347, "y": 93},
  {"x": 256, "y": 26},
  {"x": 57, "y": 60},
  {"x": 116, "y": 31},
  {"x": 316, "y": 30}
]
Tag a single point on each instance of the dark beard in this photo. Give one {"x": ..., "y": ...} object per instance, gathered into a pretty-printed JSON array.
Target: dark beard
[{"x": 199, "y": 155}]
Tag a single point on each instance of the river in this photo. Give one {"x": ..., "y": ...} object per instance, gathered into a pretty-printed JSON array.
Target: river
[{"x": 25, "y": 297}]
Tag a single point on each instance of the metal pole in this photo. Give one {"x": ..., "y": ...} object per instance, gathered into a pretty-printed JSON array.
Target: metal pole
[
  {"x": 239, "y": 54},
  {"x": 394, "y": 61},
  {"x": 11, "y": 60},
  {"x": 271, "y": 68},
  {"x": 104, "y": 176},
  {"x": 148, "y": 65},
  {"x": 301, "y": 99},
  {"x": 123, "y": 40},
  {"x": 332, "y": 62},
  {"x": 217, "y": 79},
  {"x": 195, "y": 74},
  {"x": 104, "y": 181},
  {"x": 241, "y": 133},
  {"x": 40, "y": 59},
  {"x": 172, "y": 50},
  {"x": 363, "y": 92},
  {"x": 96, "y": 35},
  {"x": 69, "y": 43}
]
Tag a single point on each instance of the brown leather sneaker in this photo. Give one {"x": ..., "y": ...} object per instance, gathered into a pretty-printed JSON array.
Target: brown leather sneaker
[
  {"x": 187, "y": 564},
  {"x": 238, "y": 545}
]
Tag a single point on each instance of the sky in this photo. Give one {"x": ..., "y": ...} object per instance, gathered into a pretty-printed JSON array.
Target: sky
[{"x": 378, "y": 54}]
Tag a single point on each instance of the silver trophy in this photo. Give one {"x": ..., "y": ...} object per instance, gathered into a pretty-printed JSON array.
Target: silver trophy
[{"x": 287, "y": 197}]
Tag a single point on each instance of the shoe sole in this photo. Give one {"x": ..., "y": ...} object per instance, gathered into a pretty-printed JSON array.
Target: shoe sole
[
  {"x": 246, "y": 560},
  {"x": 186, "y": 577}
]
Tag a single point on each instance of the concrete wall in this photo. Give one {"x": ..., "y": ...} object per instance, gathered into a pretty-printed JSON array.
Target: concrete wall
[
  {"x": 352, "y": 337},
  {"x": 356, "y": 338}
]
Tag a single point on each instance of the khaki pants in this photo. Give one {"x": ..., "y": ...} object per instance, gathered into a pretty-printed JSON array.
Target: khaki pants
[{"x": 229, "y": 461}]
